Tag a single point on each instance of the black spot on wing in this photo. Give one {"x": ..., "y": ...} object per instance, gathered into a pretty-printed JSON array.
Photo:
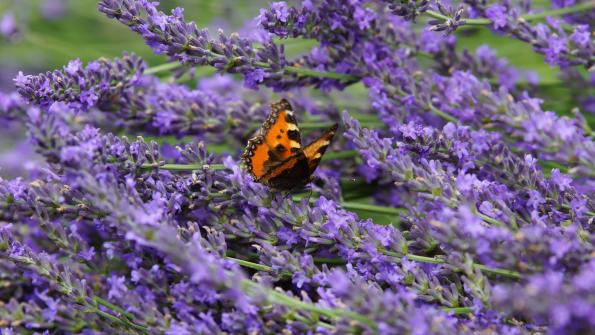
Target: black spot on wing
[
  {"x": 294, "y": 135},
  {"x": 279, "y": 136},
  {"x": 273, "y": 157},
  {"x": 290, "y": 118},
  {"x": 280, "y": 148},
  {"x": 294, "y": 150}
]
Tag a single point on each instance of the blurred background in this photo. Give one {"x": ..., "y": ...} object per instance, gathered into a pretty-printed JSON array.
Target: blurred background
[{"x": 42, "y": 35}]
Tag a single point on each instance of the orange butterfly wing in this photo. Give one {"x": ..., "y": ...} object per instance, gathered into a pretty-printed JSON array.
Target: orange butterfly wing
[
  {"x": 316, "y": 149},
  {"x": 276, "y": 141}
]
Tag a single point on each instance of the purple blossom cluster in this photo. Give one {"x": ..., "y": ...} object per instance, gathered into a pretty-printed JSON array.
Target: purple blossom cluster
[{"x": 451, "y": 203}]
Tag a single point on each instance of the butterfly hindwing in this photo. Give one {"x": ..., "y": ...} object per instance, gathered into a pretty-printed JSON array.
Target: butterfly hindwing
[
  {"x": 276, "y": 141},
  {"x": 290, "y": 173},
  {"x": 275, "y": 157}
]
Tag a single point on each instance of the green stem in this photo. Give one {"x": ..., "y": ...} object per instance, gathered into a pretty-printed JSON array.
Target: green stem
[
  {"x": 470, "y": 22},
  {"x": 490, "y": 220},
  {"x": 528, "y": 17},
  {"x": 561, "y": 11},
  {"x": 372, "y": 208},
  {"x": 335, "y": 313},
  {"x": 125, "y": 322},
  {"x": 421, "y": 259},
  {"x": 434, "y": 260},
  {"x": 417, "y": 258},
  {"x": 285, "y": 300},
  {"x": 313, "y": 73},
  {"x": 251, "y": 265},
  {"x": 340, "y": 155},
  {"x": 332, "y": 261},
  {"x": 163, "y": 67},
  {"x": 113, "y": 307},
  {"x": 498, "y": 271},
  {"x": 568, "y": 207},
  {"x": 287, "y": 69},
  {"x": 458, "y": 310},
  {"x": 184, "y": 167},
  {"x": 442, "y": 114}
]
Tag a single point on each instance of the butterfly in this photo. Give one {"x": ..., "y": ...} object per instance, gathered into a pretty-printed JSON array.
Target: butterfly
[{"x": 275, "y": 157}]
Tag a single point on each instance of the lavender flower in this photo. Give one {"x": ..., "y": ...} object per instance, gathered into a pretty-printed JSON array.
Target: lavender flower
[
  {"x": 184, "y": 42},
  {"x": 99, "y": 83}
]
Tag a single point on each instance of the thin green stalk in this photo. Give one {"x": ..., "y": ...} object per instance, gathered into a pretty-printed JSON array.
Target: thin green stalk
[
  {"x": 163, "y": 67},
  {"x": 458, "y": 310},
  {"x": 340, "y": 155},
  {"x": 308, "y": 72},
  {"x": 372, "y": 208},
  {"x": 286, "y": 69},
  {"x": 470, "y": 22},
  {"x": 490, "y": 220},
  {"x": 113, "y": 307},
  {"x": 417, "y": 258},
  {"x": 421, "y": 259},
  {"x": 589, "y": 213},
  {"x": 335, "y": 313},
  {"x": 251, "y": 265},
  {"x": 125, "y": 322},
  {"x": 528, "y": 17},
  {"x": 331, "y": 261},
  {"x": 433, "y": 260},
  {"x": 442, "y": 114},
  {"x": 362, "y": 206},
  {"x": 560, "y": 11},
  {"x": 314, "y": 73},
  {"x": 285, "y": 300},
  {"x": 280, "y": 298},
  {"x": 498, "y": 271},
  {"x": 184, "y": 167}
]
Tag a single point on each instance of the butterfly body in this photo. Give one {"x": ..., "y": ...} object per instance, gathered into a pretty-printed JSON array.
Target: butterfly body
[{"x": 275, "y": 156}]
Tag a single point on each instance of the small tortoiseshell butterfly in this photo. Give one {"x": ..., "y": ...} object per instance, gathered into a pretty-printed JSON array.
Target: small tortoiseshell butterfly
[{"x": 275, "y": 157}]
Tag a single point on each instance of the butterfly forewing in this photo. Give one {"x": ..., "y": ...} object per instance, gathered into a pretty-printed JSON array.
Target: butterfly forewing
[
  {"x": 276, "y": 141},
  {"x": 283, "y": 136}
]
